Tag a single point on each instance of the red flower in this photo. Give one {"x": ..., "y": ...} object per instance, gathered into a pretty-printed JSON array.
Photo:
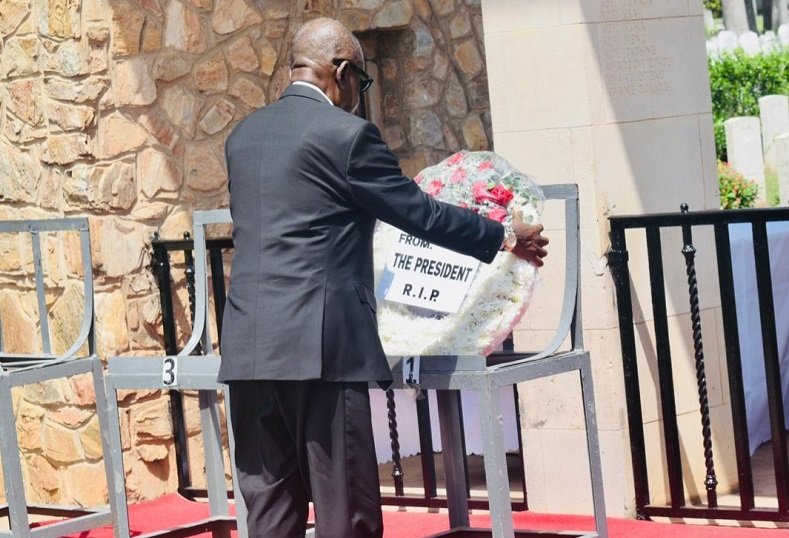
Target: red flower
[
  {"x": 485, "y": 165},
  {"x": 498, "y": 194},
  {"x": 498, "y": 214},
  {"x": 480, "y": 191},
  {"x": 418, "y": 178},
  {"x": 501, "y": 195},
  {"x": 434, "y": 188},
  {"x": 454, "y": 159}
]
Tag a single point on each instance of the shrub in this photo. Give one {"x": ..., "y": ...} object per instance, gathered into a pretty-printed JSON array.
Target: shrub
[
  {"x": 736, "y": 191},
  {"x": 737, "y": 81},
  {"x": 715, "y": 7}
]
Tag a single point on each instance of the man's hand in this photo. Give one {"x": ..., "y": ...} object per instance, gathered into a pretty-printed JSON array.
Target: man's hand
[{"x": 531, "y": 243}]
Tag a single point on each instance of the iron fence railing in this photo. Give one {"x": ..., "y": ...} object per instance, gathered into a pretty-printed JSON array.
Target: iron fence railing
[{"x": 651, "y": 231}]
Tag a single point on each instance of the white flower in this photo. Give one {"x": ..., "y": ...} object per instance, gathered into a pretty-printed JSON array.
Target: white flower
[{"x": 498, "y": 296}]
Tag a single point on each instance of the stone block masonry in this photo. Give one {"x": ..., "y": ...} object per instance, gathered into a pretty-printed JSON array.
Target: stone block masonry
[{"x": 119, "y": 109}]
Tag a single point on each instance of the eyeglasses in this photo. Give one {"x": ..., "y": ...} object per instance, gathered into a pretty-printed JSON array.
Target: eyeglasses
[{"x": 365, "y": 80}]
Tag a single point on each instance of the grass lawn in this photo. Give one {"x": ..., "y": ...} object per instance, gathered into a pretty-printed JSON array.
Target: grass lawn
[{"x": 771, "y": 183}]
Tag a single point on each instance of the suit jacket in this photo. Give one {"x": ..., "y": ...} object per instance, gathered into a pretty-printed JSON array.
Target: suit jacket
[{"x": 307, "y": 183}]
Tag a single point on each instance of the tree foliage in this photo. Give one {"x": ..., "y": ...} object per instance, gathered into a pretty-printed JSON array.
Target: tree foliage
[{"x": 715, "y": 7}]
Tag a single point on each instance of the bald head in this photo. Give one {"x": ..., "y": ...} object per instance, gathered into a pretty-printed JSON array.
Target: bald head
[
  {"x": 318, "y": 41},
  {"x": 315, "y": 45}
]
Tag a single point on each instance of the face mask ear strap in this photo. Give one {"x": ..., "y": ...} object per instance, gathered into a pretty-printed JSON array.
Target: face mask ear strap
[{"x": 341, "y": 69}]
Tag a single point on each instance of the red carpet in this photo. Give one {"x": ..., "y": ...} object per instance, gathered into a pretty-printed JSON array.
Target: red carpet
[{"x": 173, "y": 510}]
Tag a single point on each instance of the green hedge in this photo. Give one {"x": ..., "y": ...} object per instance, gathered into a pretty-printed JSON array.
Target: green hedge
[
  {"x": 715, "y": 7},
  {"x": 738, "y": 81}
]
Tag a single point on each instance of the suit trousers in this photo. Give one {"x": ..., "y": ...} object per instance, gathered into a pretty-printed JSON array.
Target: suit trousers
[{"x": 298, "y": 441}]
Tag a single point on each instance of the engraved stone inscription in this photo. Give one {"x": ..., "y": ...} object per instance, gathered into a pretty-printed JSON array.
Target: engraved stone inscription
[
  {"x": 613, "y": 10},
  {"x": 634, "y": 64}
]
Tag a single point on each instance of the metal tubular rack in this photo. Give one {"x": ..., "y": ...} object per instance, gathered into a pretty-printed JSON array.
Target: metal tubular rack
[
  {"x": 20, "y": 369},
  {"x": 183, "y": 371},
  {"x": 448, "y": 375},
  {"x": 487, "y": 375}
]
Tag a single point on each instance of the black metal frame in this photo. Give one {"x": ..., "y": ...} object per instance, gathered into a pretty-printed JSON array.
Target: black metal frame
[
  {"x": 618, "y": 261},
  {"x": 161, "y": 267}
]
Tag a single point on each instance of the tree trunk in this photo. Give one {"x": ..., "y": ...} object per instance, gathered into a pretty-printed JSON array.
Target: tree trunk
[
  {"x": 750, "y": 10},
  {"x": 734, "y": 16},
  {"x": 780, "y": 13},
  {"x": 767, "y": 13}
]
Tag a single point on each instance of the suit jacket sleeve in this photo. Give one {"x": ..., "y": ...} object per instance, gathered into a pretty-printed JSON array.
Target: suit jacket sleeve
[{"x": 378, "y": 185}]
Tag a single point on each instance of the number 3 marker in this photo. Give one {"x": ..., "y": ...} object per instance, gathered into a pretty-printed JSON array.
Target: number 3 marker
[{"x": 170, "y": 371}]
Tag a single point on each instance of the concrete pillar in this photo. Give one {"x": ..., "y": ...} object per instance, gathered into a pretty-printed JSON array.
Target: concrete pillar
[{"x": 613, "y": 95}]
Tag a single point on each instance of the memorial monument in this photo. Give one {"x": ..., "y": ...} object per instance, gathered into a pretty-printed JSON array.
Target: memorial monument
[{"x": 613, "y": 95}]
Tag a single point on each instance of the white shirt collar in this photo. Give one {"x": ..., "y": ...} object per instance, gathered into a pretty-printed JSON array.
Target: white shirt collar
[{"x": 314, "y": 87}]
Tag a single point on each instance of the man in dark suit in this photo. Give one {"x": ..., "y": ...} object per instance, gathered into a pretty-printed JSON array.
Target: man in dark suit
[{"x": 308, "y": 179}]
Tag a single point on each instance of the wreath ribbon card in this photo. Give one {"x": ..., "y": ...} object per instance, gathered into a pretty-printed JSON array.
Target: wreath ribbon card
[
  {"x": 433, "y": 301},
  {"x": 421, "y": 274}
]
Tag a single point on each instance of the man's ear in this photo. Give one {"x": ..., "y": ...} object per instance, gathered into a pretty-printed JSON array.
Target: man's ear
[{"x": 339, "y": 74}]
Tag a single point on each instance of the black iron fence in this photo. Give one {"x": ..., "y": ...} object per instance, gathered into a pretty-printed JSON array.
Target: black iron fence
[
  {"x": 653, "y": 232},
  {"x": 162, "y": 267},
  {"x": 162, "y": 270}
]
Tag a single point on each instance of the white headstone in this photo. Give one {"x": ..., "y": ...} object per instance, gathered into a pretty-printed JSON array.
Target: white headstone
[
  {"x": 709, "y": 20},
  {"x": 744, "y": 146},
  {"x": 774, "y": 113},
  {"x": 769, "y": 41},
  {"x": 749, "y": 41},
  {"x": 782, "y": 167},
  {"x": 783, "y": 34},
  {"x": 712, "y": 48},
  {"x": 727, "y": 41}
]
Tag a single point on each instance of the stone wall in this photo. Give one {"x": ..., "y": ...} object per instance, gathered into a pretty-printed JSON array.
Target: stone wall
[{"x": 119, "y": 110}]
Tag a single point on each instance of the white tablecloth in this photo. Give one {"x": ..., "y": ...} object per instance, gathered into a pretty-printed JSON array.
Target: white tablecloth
[{"x": 749, "y": 325}]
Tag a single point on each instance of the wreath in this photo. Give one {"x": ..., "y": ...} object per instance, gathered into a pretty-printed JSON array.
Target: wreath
[{"x": 499, "y": 293}]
